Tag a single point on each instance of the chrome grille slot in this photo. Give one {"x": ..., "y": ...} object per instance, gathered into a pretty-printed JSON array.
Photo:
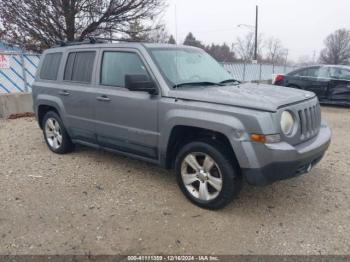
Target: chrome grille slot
[
  {"x": 310, "y": 120},
  {"x": 312, "y": 124},
  {"x": 302, "y": 122},
  {"x": 313, "y": 110}
]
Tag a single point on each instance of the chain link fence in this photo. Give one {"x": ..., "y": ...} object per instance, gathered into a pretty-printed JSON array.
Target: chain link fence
[
  {"x": 17, "y": 71},
  {"x": 255, "y": 72}
]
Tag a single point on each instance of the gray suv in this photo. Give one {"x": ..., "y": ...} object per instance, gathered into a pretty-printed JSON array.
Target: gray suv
[{"x": 176, "y": 107}]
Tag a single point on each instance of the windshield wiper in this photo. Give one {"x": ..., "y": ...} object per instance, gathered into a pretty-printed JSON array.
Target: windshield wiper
[
  {"x": 204, "y": 83},
  {"x": 231, "y": 81}
]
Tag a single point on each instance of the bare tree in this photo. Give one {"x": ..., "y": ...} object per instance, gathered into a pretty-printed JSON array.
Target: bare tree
[
  {"x": 159, "y": 34},
  {"x": 305, "y": 60},
  {"x": 337, "y": 50},
  {"x": 38, "y": 24},
  {"x": 143, "y": 33},
  {"x": 245, "y": 47},
  {"x": 136, "y": 32},
  {"x": 276, "y": 53}
]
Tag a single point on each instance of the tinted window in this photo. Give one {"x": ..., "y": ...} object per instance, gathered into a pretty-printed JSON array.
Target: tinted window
[
  {"x": 115, "y": 65},
  {"x": 313, "y": 71},
  {"x": 324, "y": 72},
  {"x": 50, "y": 66},
  {"x": 69, "y": 67},
  {"x": 310, "y": 72},
  {"x": 301, "y": 72},
  {"x": 79, "y": 67},
  {"x": 340, "y": 73}
]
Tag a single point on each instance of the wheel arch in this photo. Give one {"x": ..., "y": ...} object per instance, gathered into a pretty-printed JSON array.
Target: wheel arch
[
  {"x": 45, "y": 104},
  {"x": 183, "y": 134}
]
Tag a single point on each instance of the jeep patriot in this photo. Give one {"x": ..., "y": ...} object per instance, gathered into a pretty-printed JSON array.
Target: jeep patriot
[{"x": 176, "y": 107}]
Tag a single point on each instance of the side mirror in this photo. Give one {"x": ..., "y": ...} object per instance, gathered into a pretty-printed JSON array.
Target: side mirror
[{"x": 140, "y": 83}]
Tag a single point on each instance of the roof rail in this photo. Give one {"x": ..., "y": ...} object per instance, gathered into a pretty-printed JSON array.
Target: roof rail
[
  {"x": 93, "y": 40},
  {"x": 117, "y": 40},
  {"x": 90, "y": 40}
]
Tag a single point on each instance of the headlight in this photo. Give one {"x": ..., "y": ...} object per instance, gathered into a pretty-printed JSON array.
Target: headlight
[{"x": 287, "y": 123}]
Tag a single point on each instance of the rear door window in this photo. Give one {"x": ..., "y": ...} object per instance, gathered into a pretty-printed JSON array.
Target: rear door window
[
  {"x": 79, "y": 66},
  {"x": 340, "y": 73},
  {"x": 324, "y": 72},
  {"x": 50, "y": 66}
]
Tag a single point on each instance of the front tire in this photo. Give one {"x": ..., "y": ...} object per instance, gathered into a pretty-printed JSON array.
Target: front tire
[
  {"x": 55, "y": 134},
  {"x": 207, "y": 175}
]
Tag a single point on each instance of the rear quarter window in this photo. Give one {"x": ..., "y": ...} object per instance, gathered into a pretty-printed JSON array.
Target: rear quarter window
[
  {"x": 50, "y": 66},
  {"x": 300, "y": 72}
]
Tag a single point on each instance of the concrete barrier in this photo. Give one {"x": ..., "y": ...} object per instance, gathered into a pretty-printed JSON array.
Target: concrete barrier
[{"x": 15, "y": 103}]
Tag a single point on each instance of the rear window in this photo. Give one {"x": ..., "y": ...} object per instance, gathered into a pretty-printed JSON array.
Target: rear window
[
  {"x": 79, "y": 66},
  {"x": 50, "y": 66},
  {"x": 309, "y": 72},
  {"x": 302, "y": 72}
]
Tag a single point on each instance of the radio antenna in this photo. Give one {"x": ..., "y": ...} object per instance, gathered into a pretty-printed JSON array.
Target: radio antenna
[
  {"x": 177, "y": 43},
  {"x": 176, "y": 32}
]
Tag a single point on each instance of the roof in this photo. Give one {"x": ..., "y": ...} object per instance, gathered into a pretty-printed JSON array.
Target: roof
[
  {"x": 341, "y": 66},
  {"x": 324, "y": 65},
  {"x": 85, "y": 45}
]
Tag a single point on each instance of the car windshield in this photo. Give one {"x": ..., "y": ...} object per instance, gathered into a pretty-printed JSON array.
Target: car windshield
[{"x": 189, "y": 67}]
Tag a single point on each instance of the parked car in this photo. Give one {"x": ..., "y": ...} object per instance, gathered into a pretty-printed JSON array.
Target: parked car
[
  {"x": 175, "y": 106},
  {"x": 330, "y": 83}
]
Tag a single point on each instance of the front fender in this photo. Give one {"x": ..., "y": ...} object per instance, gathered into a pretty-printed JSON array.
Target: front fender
[{"x": 228, "y": 125}]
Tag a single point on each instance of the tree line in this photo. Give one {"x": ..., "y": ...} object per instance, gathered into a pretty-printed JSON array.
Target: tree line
[{"x": 37, "y": 25}]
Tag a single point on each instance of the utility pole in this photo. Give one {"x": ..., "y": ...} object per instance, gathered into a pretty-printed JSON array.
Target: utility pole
[{"x": 256, "y": 34}]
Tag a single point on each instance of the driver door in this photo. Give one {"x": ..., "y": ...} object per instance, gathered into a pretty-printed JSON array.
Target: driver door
[{"x": 126, "y": 120}]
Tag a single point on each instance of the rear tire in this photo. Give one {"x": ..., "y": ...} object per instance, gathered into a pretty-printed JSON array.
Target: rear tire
[
  {"x": 207, "y": 175},
  {"x": 55, "y": 134}
]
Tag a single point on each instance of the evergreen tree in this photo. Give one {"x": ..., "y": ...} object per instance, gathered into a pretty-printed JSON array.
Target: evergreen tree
[{"x": 172, "y": 40}]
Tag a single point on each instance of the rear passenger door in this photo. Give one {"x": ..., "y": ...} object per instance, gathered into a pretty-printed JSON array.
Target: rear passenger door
[
  {"x": 125, "y": 120},
  {"x": 77, "y": 94},
  {"x": 312, "y": 81},
  {"x": 319, "y": 81},
  {"x": 339, "y": 90}
]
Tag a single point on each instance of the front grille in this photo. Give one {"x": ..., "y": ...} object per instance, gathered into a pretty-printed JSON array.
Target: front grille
[{"x": 310, "y": 121}]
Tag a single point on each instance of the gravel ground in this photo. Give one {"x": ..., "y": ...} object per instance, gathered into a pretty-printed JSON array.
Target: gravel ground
[{"x": 96, "y": 202}]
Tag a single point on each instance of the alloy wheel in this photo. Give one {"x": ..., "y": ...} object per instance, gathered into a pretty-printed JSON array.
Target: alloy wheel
[
  {"x": 201, "y": 176},
  {"x": 53, "y": 133}
]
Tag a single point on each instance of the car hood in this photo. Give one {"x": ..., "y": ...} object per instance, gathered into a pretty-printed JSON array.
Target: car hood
[{"x": 248, "y": 95}]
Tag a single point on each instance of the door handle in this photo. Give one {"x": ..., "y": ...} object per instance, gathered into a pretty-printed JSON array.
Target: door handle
[
  {"x": 64, "y": 93},
  {"x": 103, "y": 98}
]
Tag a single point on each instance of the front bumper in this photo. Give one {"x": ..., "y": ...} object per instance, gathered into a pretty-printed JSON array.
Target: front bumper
[{"x": 283, "y": 161}]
